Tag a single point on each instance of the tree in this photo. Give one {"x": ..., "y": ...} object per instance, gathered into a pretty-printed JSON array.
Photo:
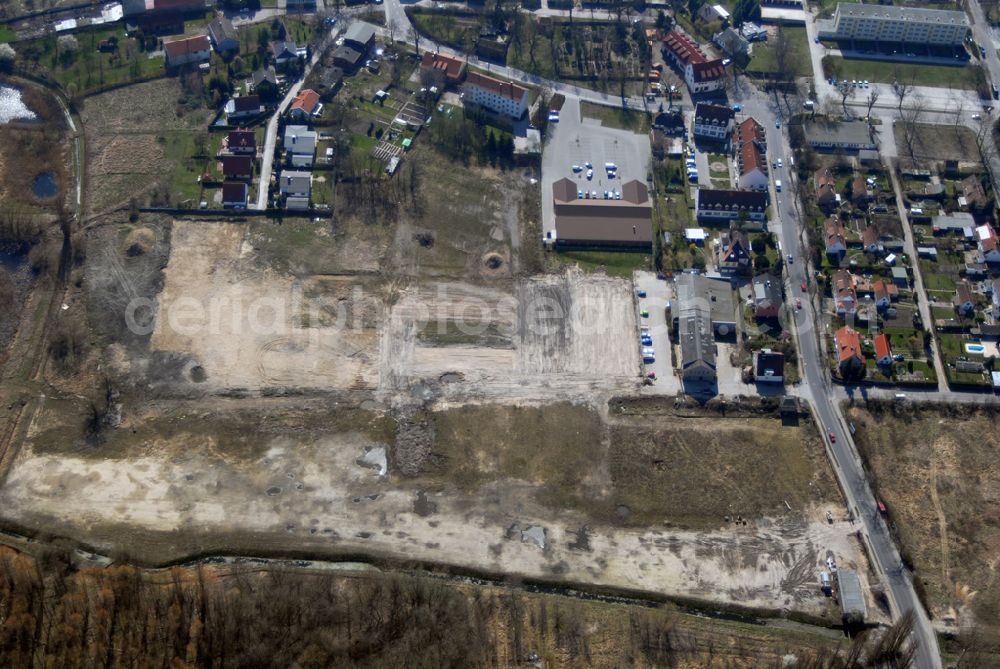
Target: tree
[
  {"x": 67, "y": 46},
  {"x": 7, "y": 57},
  {"x": 900, "y": 88},
  {"x": 846, "y": 90},
  {"x": 414, "y": 34}
]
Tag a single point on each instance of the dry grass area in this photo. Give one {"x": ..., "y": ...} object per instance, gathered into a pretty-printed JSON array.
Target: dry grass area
[
  {"x": 232, "y": 615},
  {"x": 934, "y": 142},
  {"x": 137, "y": 137},
  {"x": 30, "y": 149},
  {"x": 938, "y": 473}
]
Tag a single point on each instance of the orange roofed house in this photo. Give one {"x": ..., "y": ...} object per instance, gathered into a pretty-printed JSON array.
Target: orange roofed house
[
  {"x": 197, "y": 49},
  {"x": 850, "y": 359},
  {"x": 305, "y": 105},
  {"x": 883, "y": 351},
  {"x": 452, "y": 68},
  {"x": 700, "y": 74},
  {"x": 500, "y": 97}
]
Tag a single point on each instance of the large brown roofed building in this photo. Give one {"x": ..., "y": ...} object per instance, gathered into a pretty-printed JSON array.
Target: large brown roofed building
[
  {"x": 597, "y": 222},
  {"x": 452, "y": 68}
]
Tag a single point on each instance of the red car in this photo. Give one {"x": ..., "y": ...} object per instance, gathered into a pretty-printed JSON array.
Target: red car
[
  {"x": 804, "y": 287},
  {"x": 833, "y": 437}
]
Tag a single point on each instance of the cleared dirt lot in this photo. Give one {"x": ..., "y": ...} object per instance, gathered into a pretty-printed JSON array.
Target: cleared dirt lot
[
  {"x": 938, "y": 474},
  {"x": 504, "y": 489},
  {"x": 247, "y": 327}
]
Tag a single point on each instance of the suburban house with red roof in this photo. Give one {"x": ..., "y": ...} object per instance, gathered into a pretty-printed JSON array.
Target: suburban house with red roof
[
  {"x": 453, "y": 69},
  {"x": 734, "y": 252},
  {"x": 826, "y": 188},
  {"x": 234, "y": 194},
  {"x": 850, "y": 359},
  {"x": 989, "y": 245},
  {"x": 700, "y": 74},
  {"x": 834, "y": 238},
  {"x": 752, "y": 167},
  {"x": 749, "y": 131},
  {"x": 845, "y": 296},
  {"x": 242, "y": 141},
  {"x": 881, "y": 293},
  {"x": 305, "y": 105},
  {"x": 500, "y": 97},
  {"x": 197, "y": 49},
  {"x": 237, "y": 167},
  {"x": 883, "y": 351}
]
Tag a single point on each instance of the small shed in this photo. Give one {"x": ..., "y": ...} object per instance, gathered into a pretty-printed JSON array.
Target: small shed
[
  {"x": 900, "y": 277},
  {"x": 695, "y": 235}
]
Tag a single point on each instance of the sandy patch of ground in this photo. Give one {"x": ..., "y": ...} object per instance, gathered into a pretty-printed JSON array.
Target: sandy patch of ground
[{"x": 307, "y": 488}]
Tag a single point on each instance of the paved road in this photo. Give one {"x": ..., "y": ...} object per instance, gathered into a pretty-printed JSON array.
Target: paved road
[{"x": 271, "y": 137}]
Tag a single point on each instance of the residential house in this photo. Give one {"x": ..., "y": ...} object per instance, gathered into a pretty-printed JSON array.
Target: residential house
[
  {"x": 994, "y": 288},
  {"x": 767, "y": 300},
  {"x": 361, "y": 36},
  {"x": 265, "y": 83},
  {"x": 670, "y": 122},
  {"x": 712, "y": 122},
  {"x": 769, "y": 366},
  {"x": 845, "y": 297},
  {"x": 283, "y": 51},
  {"x": 883, "y": 352},
  {"x": 347, "y": 58},
  {"x": 733, "y": 44},
  {"x": 237, "y": 168},
  {"x": 450, "y": 69},
  {"x": 305, "y": 105},
  {"x": 751, "y": 166},
  {"x": 730, "y": 205},
  {"x": 701, "y": 74},
  {"x": 603, "y": 223},
  {"x": 900, "y": 278},
  {"x": 890, "y": 24},
  {"x": 753, "y": 32},
  {"x": 300, "y": 145},
  {"x": 734, "y": 253},
  {"x": 500, "y": 97},
  {"x": 957, "y": 222},
  {"x": 880, "y": 291},
  {"x": 242, "y": 142},
  {"x": 295, "y": 183},
  {"x": 715, "y": 295},
  {"x": 234, "y": 194},
  {"x": 187, "y": 51},
  {"x": 834, "y": 238},
  {"x": 713, "y": 13},
  {"x": 826, "y": 188},
  {"x": 705, "y": 309},
  {"x": 973, "y": 196},
  {"x": 869, "y": 240},
  {"x": 326, "y": 81},
  {"x": 243, "y": 107},
  {"x": 750, "y": 132},
  {"x": 850, "y": 358},
  {"x": 860, "y": 195},
  {"x": 224, "y": 36},
  {"x": 964, "y": 304},
  {"x": 989, "y": 245}
]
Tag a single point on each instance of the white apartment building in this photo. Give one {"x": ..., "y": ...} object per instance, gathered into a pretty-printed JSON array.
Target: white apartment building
[
  {"x": 501, "y": 97},
  {"x": 887, "y": 23}
]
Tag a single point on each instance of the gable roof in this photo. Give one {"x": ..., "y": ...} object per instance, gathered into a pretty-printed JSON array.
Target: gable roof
[
  {"x": 282, "y": 47},
  {"x": 243, "y": 139},
  {"x": 683, "y": 48},
  {"x": 882, "y": 348},
  {"x": 222, "y": 29},
  {"x": 709, "y": 71},
  {"x": 963, "y": 293},
  {"x": 635, "y": 192},
  {"x": 750, "y": 159},
  {"x": 987, "y": 237},
  {"x": 770, "y": 361},
  {"x": 234, "y": 191},
  {"x": 347, "y": 53},
  {"x": 185, "y": 46},
  {"x": 237, "y": 164},
  {"x": 880, "y": 290},
  {"x": 451, "y": 66},
  {"x": 709, "y": 198},
  {"x": 505, "y": 89},
  {"x": 833, "y": 232},
  {"x": 749, "y": 131},
  {"x": 360, "y": 33},
  {"x": 305, "y": 101},
  {"x": 823, "y": 178},
  {"x": 564, "y": 190},
  {"x": 848, "y": 344},
  {"x": 738, "y": 247},
  {"x": 265, "y": 75},
  {"x": 766, "y": 290},
  {"x": 246, "y": 103},
  {"x": 869, "y": 237},
  {"x": 705, "y": 113}
]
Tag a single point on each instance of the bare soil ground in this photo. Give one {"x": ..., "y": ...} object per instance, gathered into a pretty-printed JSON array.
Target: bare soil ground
[
  {"x": 129, "y": 134},
  {"x": 33, "y": 148},
  {"x": 502, "y": 489},
  {"x": 933, "y": 142},
  {"x": 938, "y": 474}
]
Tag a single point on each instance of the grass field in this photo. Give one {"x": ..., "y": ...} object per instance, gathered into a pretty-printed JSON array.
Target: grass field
[
  {"x": 943, "y": 76},
  {"x": 762, "y": 59},
  {"x": 7, "y": 35},
  {"x": 614, "y": 263},
  {"x": 616, "y": 117},
  {"x": 937, "y": 473}
]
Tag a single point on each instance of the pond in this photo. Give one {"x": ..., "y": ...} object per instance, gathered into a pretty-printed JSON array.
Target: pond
[
  {"x": 44, "y": 186},
  {"x": 12, "y": 108}
]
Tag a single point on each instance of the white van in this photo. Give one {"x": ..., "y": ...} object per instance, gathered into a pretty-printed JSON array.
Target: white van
[{"x": 777, "y": 185}]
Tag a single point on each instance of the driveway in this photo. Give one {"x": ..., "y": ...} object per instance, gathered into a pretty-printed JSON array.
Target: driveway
[{"x": 658, "y": 292}]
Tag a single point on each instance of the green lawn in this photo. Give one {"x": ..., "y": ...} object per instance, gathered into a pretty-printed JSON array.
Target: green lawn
[
  {"x": 762, "y": 59},
  {"x": 614, "y": 263},
  {"x": 934, "y": 279},
  {"x": 616, "y": 117},
  {"x": 7, "y": 35},
  {"x": 941, "y": 76}
]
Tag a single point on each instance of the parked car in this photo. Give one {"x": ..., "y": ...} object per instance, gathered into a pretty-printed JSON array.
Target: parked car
[
  {"x": 644, "y": 313},
  {"x": 646, "y": 340},
  {"x": 577, "y": 168},
  {"x": 641, "y": 293},
  {"x": 804, "y": 287},
  {"x": 590, "y": 174},
  {"x": 777, "y": 123},
  {"x": 791, "y": 259},
  {"x": 833, "y": 437},
  {"x": 737, "y": 108}
]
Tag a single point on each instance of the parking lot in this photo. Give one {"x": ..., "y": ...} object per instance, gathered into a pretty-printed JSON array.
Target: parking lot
[
  {"x": 577, "y": 141},
  {"x": 658, "y": 292}
]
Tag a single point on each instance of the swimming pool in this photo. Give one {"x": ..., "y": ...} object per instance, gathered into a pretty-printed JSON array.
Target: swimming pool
[{"x": 975, "y": 348}]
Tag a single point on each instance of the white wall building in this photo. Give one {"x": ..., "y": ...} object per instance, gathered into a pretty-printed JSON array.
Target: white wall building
[
  {"x": 501, "y": 97},
  {"x": 888, "y": 23}
]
